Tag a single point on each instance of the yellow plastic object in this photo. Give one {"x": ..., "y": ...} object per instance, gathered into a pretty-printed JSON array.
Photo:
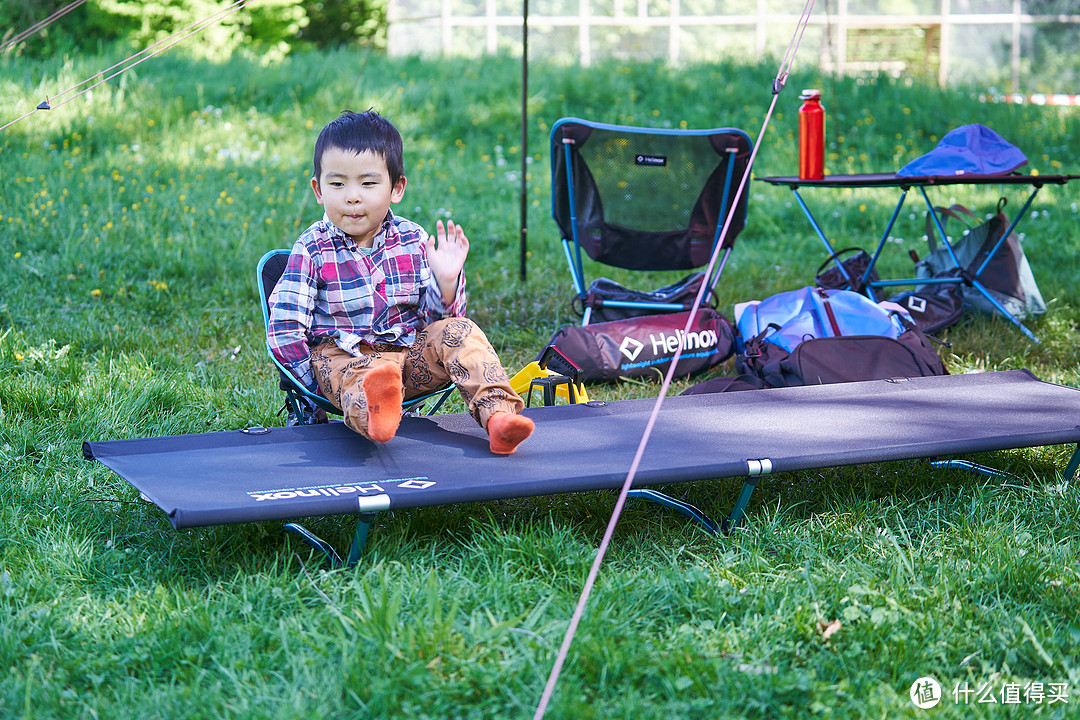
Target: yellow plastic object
[{"x": 522, "y": 382}]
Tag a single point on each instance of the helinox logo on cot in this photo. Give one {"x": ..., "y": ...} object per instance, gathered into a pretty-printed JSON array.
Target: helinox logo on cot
[{"x": 667, "y": 344}]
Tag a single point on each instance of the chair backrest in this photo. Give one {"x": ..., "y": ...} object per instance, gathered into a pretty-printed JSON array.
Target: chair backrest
[
  {"x": 645, "y": 198},
  {"x": 270, "y": 269}
]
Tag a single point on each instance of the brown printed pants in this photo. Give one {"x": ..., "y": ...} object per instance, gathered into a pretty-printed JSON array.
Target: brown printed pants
[{"x": 452, "y": 350}]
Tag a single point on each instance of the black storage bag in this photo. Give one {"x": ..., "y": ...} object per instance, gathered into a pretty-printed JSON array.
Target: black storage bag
[
  {"x": 855, "y": 265},
  {"x": 846, "y": 358},
  {"x": 933, "y": 308},
  {"x": 682, "y": 292}
]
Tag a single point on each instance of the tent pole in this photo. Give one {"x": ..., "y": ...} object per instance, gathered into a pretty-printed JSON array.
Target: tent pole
[{"x": 524, "y": 133}]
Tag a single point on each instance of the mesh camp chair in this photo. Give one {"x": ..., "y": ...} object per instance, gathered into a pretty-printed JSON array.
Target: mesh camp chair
[
  {"x": 645, "y": 199},
  {"x": 302, "y": 405}
]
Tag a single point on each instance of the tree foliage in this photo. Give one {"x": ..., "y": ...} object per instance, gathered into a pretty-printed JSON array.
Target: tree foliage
[
  {"x": 334, "y": 23},
  {"x": 267, "y": 28}
]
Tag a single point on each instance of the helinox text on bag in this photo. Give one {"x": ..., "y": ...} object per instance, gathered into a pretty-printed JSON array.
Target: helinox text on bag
[{"x": 644, "y": 346}]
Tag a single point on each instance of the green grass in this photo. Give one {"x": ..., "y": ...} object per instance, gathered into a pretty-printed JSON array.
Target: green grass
[{"x": 130, "y": 225}]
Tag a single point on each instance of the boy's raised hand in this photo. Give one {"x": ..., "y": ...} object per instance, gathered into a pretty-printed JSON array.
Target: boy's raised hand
[{"x": 446, "y": 257}]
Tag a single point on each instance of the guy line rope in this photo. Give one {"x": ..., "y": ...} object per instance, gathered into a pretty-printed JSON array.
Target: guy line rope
[
  {"x": 40, "y": 25},
  {"x": 590, "y": 581},
  {"x": 129, "y": 62}
]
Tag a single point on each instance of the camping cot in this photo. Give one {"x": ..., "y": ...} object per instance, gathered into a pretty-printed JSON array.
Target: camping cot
[{"x": 286, "y": 473}]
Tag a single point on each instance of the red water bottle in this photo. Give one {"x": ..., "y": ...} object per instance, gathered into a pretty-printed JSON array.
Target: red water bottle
[{"x": 811, "y": 136}]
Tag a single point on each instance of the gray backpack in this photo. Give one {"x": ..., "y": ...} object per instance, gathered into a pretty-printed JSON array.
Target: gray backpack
[{"x": 1007, "y": 277}]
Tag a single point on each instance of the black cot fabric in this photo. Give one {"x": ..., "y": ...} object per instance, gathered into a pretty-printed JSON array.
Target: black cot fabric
[{"x": 285, "y": 473}]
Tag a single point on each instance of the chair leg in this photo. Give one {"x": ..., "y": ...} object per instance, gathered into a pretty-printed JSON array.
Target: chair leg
[{"x": 438, "y": 403}]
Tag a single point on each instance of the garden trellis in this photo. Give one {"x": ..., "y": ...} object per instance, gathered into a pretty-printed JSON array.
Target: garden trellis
[{"x": 937, "y": 39}]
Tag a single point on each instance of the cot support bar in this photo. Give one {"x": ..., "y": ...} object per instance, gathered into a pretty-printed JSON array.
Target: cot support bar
[
  {"x": 316, "y": 542},
  {"x": 710, "y": 525},
  {"x": 332, "y": 558},
  {"x": 732, "y": 520},
  {"x": 1073, "y": 466}
]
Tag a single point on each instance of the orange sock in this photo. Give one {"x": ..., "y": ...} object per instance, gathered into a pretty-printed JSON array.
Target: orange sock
[
  {"x": 507, "y": 431},
  {"x": 382, "y": 390}
]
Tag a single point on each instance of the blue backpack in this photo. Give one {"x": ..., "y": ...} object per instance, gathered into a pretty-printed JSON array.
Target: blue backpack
[{"x": 815, "y": 336}]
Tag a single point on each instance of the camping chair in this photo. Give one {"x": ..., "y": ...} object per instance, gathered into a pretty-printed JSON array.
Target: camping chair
[
  {"x": 302, "y": 405},
  {"x": 645, "y": 199}
]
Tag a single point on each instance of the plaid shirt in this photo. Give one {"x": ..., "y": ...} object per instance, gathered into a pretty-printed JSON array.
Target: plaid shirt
[{"x": 333, "y": 290}]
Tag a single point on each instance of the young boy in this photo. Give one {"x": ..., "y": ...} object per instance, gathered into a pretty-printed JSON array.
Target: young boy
[{"x": 370, "y": 309}]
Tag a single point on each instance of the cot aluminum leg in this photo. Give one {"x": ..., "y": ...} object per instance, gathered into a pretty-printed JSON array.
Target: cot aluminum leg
[
  {"x": 732, "y": 520},
  {"x": 710, "y": 525},
  {"x": 316, "y": 542},
  {"x": 971, "y": 467},
  {"x": 1074, "y": 465},
  {"x": 363, "y": 525}
]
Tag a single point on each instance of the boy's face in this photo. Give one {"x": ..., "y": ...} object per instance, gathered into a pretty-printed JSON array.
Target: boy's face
[{"x": 356, "y": 192}]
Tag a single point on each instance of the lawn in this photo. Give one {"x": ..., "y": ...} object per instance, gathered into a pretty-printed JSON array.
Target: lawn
[{"x": 130, "y": 225}]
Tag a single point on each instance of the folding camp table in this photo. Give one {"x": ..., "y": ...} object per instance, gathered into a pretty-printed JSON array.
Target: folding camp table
[
  {"x": 905, "y": 184},
  {"x": 295, "y": 472}
]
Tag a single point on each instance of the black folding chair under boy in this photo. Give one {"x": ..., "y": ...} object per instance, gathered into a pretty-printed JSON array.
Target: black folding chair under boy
[{"x": 302, "y": 405}]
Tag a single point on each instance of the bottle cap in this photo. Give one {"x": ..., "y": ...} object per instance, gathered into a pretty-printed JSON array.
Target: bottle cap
[{"x": 810, "y": 93}]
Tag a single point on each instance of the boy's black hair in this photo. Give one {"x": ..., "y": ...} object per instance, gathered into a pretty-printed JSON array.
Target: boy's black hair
[{"x": 363, "y": 132}]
